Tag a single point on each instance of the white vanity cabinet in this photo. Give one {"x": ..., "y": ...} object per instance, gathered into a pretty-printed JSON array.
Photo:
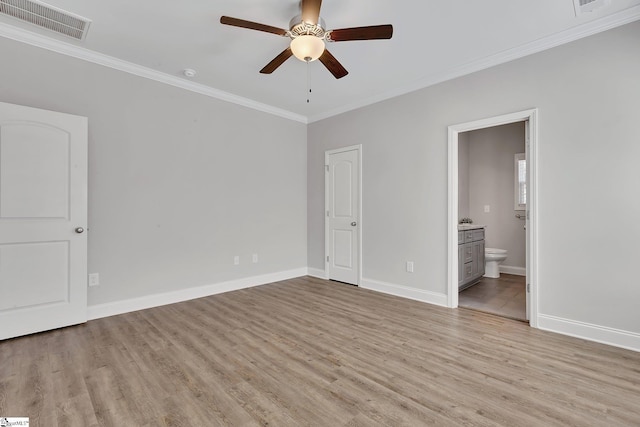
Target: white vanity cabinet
[{"x": 470, "y": 256}]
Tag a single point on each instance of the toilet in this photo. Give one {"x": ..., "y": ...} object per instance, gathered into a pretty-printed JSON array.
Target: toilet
[{"x": 492, "y": 259}]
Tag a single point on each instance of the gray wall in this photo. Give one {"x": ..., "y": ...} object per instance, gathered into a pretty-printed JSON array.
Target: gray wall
[
  {"x": 588, "y": 95},
  {"x": 179, "y": 183},
  {"x": 491, "y": 182},
  {"x": 463, "y": 175}
]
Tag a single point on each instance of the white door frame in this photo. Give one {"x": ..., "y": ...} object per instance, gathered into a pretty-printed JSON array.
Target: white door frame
[
  {"x": 328, "y": 153},
  {"x": 532, "y": 203}
]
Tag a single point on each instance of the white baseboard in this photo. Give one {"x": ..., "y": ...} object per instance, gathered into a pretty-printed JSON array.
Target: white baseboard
[
  {"x": 587, "y": 331},
  {"x": 405, "y": 292},
  {"x": 591, "y": 332},
  {"x": 518, "y": 271},
  {"x": 156, "y": 300},
  {"x": 316, "y": 272}
]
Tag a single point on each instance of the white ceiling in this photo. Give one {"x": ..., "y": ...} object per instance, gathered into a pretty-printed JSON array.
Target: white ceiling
[{"x": 433, "y": 41}]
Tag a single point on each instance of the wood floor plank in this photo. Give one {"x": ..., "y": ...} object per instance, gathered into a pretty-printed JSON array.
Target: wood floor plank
[
  {"x": 76, "y": 412},
  {"x": 505, "y": 296},
  {"x": 311, "y": 352}
]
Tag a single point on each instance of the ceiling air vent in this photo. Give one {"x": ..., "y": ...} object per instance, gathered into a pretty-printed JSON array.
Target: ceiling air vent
[
  {"x": 46, "y": 16},
  {"x": 583, "y": 6}
]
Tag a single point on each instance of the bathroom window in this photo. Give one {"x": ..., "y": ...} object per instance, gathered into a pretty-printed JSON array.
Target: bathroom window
[{"x": 520, "y": 167}]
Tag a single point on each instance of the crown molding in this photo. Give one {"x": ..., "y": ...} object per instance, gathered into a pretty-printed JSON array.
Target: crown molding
[
  {"x": 58, "y": 46},
  {"x": 590, "y": 28},
  {"x": 581, "y": 31}
]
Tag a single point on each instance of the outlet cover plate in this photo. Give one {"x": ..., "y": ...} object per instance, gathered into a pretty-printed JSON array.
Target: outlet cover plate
[
  {"x": 409, "y": 266},
  {"x": 94, "y": 279}
]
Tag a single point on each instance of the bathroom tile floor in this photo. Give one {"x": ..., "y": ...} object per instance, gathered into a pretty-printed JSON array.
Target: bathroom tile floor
[{"x": 505, "y": 296}]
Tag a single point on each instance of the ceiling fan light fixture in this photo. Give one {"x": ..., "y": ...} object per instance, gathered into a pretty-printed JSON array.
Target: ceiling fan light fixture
[{"x": 307, "y": 47}]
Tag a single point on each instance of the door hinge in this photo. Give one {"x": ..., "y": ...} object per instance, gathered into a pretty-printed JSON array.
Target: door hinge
[
  {"x": 326, "y": 167},
  {"x": 528, "y": 287},
  {"x": 327, "y": 258},
  {"x": 327, "y": 213}
]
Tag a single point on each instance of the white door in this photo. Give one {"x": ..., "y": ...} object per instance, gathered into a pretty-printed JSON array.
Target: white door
[
  {"x": 343, "y": 215},
  {"x": 43, "y": 214}
]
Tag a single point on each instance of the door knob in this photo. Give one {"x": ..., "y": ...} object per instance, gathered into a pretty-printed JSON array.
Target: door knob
[
  {"x": 79, "y": 230},
  {"x": 353, "y": 224}
]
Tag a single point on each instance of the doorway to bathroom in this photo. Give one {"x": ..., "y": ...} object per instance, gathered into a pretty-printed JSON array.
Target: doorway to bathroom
[
  {"x": 489, "y": 197},
  {"x": 492, "y": 191}
]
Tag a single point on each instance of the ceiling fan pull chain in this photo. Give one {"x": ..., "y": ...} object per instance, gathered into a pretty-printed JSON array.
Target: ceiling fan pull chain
[{"x": 308, "y": 84}]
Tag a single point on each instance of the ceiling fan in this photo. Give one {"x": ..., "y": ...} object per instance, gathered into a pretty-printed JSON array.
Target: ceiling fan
[{"x": 308, "y": 36}]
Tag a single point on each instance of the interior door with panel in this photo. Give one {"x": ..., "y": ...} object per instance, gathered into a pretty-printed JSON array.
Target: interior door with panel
[
  {"x": 343, "y": 215},
  {"x": 43, "y": 217}
]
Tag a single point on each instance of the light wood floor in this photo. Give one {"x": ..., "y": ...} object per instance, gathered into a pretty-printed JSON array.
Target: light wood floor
[
  {"x": 504, "y": 296},
  {"x": 311, "y": 352}
]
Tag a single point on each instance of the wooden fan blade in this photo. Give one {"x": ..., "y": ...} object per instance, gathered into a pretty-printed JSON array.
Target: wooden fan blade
[
  {"x": 333, "y": 65},
  {"x": 277, "y": 61},
  {"x": 374, "y": 32},
  {"x": 311, "y": 11},
  {"x": 235, "y": 22}
]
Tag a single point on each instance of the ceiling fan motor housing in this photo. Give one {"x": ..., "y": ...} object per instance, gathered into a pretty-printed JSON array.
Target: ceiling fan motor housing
[{"x": 297, "y": 27}]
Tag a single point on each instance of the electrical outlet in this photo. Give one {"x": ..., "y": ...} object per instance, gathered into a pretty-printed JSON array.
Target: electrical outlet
[
  {"x": 254, "y": 258},
  {"x": 236, "y": 260},
  {"x": 94, "y": 279},
  {"x": 487, "y": 208},
  {"x": 409, "y": 266}
]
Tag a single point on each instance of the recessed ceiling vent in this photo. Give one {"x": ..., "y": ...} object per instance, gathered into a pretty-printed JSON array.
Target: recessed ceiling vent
[
  {"x": 46, "y": 16},
  {"x": 583, "y": 6}
]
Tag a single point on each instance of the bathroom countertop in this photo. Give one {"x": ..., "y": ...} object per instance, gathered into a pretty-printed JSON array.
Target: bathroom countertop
[{"x": 462, "y": 227}]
